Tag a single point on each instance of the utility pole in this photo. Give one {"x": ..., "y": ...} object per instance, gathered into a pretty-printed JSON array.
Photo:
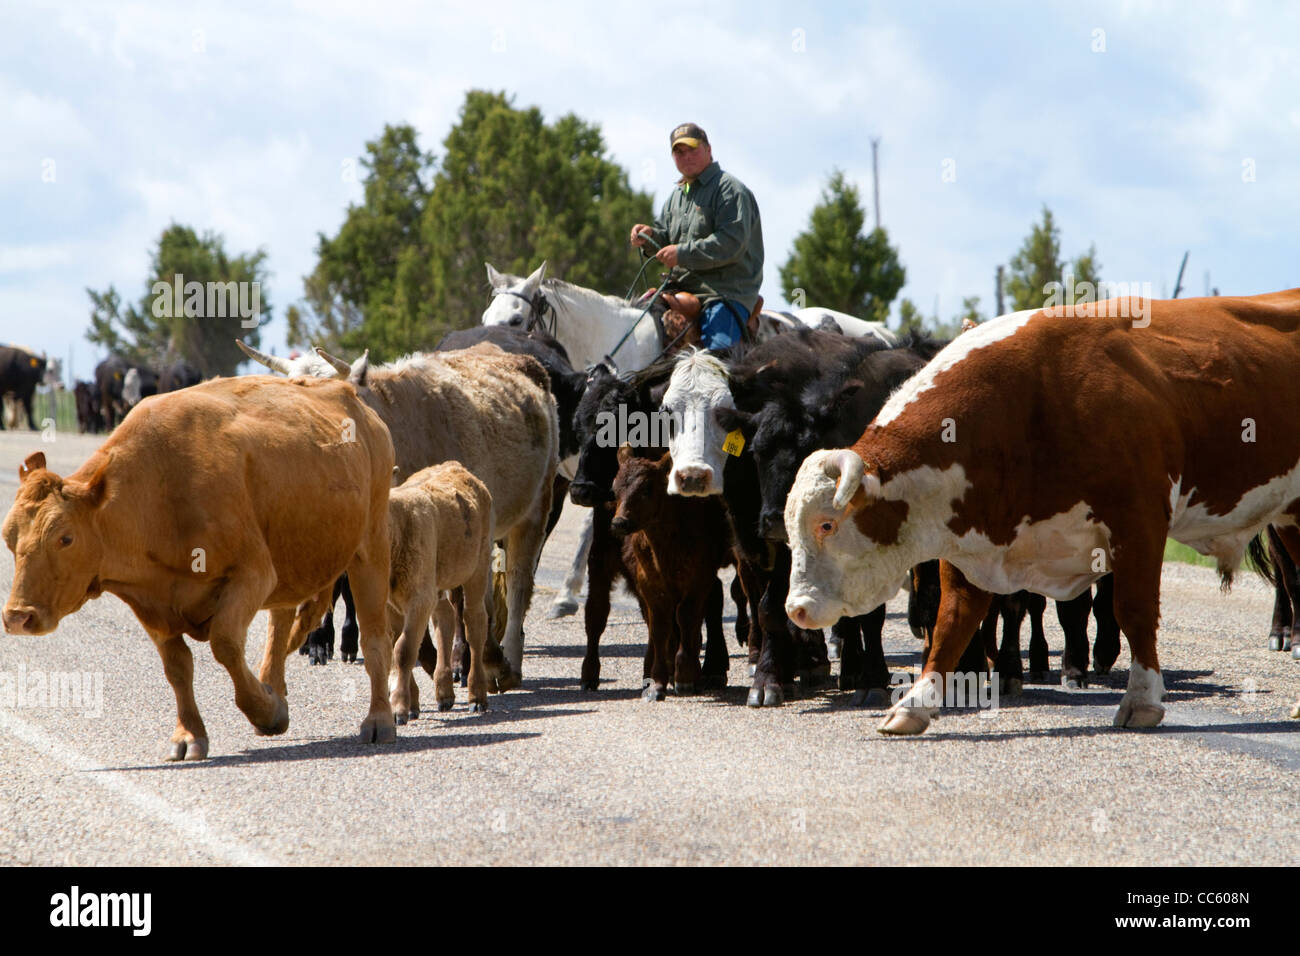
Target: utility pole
[
  {"x": 1178, "y": 283},
  {"x": 1001, "y": 310},
  {"x": 875, "y": 179}
]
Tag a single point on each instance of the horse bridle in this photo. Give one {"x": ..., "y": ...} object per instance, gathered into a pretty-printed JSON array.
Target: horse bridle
[{"x": 539, "y": 307}]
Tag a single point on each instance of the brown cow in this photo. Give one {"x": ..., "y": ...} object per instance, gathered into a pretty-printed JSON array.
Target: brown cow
[
  {"x": 491, "y": 411},
  {"x": 440, "y": 523},
  {"x": 674, "y": 548},
  {"x": 204, "y": 506},
  {"x": 1042, "y": 451}
]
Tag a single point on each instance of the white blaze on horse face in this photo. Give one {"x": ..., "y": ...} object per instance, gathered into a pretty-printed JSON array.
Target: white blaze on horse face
[
  {"x": 511, "y": 296},
  {"x": 697, "y": 388},
  {"x": 994, "y": 330}
]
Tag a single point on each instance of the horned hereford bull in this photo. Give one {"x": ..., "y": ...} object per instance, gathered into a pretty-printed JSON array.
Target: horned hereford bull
[
  {"x": 205, "y": 506},
  {"x": 1133, "y": 420}
]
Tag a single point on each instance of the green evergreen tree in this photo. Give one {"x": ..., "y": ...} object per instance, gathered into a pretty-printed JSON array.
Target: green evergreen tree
[
  {"x": 1038, "y": 264},
  {"x": 372, "y": 285},
  {"x": 838, "y": 267},
  {"x": 200, "y": 329},
  {"x": 513, "y": 190}
]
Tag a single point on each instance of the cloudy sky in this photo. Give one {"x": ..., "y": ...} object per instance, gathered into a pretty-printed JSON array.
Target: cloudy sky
[{"x": 1148, "y": 128}]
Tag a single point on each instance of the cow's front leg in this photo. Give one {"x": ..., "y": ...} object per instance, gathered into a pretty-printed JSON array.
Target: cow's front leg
[
  {"x": 1137, "y": 569},
  {"x": 774, "y": 673},
  {"x": 714, "y": 673},
  {"x": 190, "y": 739},
  {"x": 368, "y": 576},
  {"x": 962, "y": 607},
  {"x": 407, "y": 650}
]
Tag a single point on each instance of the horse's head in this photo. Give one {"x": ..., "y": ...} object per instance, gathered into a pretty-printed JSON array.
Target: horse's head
[{"x": 514, "y": 300}]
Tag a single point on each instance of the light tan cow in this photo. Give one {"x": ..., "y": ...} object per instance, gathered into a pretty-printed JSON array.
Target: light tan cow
[
  {"x": 492, "y": 411},
  {"x": 440, "y": 525},
  {"x": 205, "y": 505}
]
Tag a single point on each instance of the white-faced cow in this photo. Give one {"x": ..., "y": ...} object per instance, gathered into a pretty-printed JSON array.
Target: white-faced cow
[
  {"x": 1041, "y": 451},
  {"x": 204, "y": 506}
]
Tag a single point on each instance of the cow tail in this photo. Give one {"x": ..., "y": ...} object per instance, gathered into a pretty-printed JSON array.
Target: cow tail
[{"x": 1258, "y": 552}]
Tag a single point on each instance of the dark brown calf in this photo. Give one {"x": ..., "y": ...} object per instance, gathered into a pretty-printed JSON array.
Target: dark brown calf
[{"x": 674, "y": 547}]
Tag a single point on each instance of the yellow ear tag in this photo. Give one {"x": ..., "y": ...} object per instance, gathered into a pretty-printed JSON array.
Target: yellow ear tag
[{"x": 734, "y": 444}]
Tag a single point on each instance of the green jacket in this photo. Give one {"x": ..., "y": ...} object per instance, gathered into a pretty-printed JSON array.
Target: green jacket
[{"x": 715, "y": 223}]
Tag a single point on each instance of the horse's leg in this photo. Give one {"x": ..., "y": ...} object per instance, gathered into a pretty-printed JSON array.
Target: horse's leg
[{"x": 566, "y": 601}]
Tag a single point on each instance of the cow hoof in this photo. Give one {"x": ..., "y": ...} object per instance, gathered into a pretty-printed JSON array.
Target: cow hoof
[
  {"x": 457, "y": 676},
  {"x": 1295, "y": 651},
  {"x": 654, "y": 692},
  {"x": 279, "y": 716},
  {"x": 1013, "y": 687},
  {"x": 1295, "y": 711},
  {"x": 766, "y": 695},
  {"x": 753, "y": 669},
  {"x": 1101, "y": 670},
  {"x": 399, "y": 717},
  {"x": 905, "y": 722},
  {"x": 1275, "y": 643},
  {"x": 833, "y": 648},
  {"x": 1138, "y": 715},
  {"x": 589, "y": 684},
  {"x": 1038, "y": 677},
  {"x": 446, "y": 704},
  {"x": 563, "y": 608},
  {"x": 375, "y": 731},
  {"x": 508, "y": 680},
  {"x": 684, "y": 689},
  {"x": 478, "y": 707},
  {"x": 871, "y": 698},
  {"x": 316, "y": 655},
  {"x": 196, "y": 749},
  {"x": 413, "y": 713},
  {"x": 1074, "y": 681}
]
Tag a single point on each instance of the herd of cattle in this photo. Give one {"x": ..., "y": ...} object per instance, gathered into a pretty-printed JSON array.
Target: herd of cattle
[{"x": 1037, "y": 454}]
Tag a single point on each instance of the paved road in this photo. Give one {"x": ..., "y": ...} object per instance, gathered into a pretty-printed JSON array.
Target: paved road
[{"x": 553, "y": 775}]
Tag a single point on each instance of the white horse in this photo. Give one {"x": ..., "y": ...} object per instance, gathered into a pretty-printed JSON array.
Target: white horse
[
  {"x": 592, "y": 326},
  {"x": 775, "y": 323}
]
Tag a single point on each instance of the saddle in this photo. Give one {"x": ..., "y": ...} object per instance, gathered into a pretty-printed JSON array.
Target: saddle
[{"x": 682, "y": 318}]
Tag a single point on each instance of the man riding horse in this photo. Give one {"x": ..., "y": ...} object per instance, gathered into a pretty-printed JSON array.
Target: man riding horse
[{"x": 710, "y": 227}]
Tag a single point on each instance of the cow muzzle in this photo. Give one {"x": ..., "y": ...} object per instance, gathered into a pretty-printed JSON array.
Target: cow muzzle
[
  {"x": 692, "y": 481},
  {"x": 772, "y": 527},
  {"x": 588, "y": 494},
  {"x": 24, "y": 620}
]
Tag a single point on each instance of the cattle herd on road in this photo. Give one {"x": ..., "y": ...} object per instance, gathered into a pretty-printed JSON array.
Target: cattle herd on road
[{"x": 1040, "y": 455}]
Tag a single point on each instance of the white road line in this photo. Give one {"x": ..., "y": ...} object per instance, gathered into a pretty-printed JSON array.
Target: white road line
[{"x": 188, "y": 823}]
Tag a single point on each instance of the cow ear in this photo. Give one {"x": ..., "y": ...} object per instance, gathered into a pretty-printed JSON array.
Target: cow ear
[
  {"x": 733, "y": 418},
  {"x": 35, "y": 462},
  {"x": 624, "y": 453},
  {"x": 92, "y": 490},
  {"x": 360, "y": 370}
]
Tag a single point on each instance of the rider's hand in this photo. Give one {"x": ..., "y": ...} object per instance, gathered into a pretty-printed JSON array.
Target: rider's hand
[
  {"x": 668, "y": 256},
  {"x": 637, "y": 238}
]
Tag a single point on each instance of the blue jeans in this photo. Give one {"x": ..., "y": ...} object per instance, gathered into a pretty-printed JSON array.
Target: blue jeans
[{"x": 720, "y": 325}]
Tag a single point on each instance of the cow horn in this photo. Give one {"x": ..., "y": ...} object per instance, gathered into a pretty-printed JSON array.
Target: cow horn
[
  {"x": 847, "y": 469},
  {"x": 338, "y": 363},
  {"x": 270, "y": 361}
]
